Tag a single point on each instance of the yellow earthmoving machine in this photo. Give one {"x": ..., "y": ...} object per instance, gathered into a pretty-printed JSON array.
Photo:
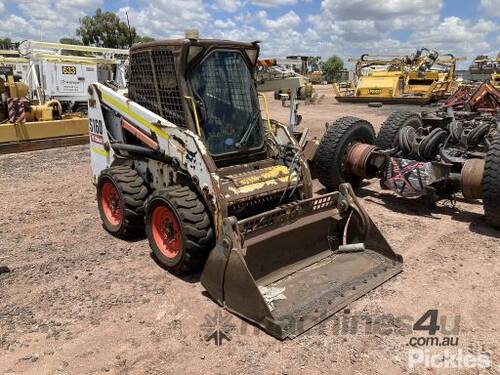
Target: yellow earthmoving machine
[
  {"x": 485, "y": 68},
  {"x": 63, "y": 71},
  {"x": 287, "y": 84},
  {"x": 189, "y": 159},
  {"x": 44, "y": 100},
  {"x": 28, "y": 125},
  {"x": 308, "y": 66},
  {"x": 495, "y": 80},
  {"x": 420, "y": 78}
]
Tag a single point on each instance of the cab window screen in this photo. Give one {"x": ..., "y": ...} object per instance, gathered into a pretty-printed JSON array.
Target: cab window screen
[{"x": 230, "y": 114}]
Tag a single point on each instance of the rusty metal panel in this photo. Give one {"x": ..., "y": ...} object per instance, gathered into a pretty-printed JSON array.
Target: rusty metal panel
[
  {"x": 310, "y": 149},
  {"x": 471, "y": 178},
  {"x": 251, "y": 183}
]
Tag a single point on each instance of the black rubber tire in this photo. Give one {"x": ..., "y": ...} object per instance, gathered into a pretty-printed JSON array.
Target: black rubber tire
[
  {"x": 491, "y": 185},
  {"x": 387, "y": 137},
  {"x": 195, "y": 226},
  {"x": 133, "y": 193},
  {"x": 332, "y": 150},
  {"x": 84, "y": 110}
]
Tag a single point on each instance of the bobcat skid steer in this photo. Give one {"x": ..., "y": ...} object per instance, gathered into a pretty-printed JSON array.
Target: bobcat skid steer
[{"x": 188, "y": 158}]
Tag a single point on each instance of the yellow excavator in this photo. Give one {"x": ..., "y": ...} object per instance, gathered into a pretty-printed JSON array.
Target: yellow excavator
[{"x": 420, "y": 78}]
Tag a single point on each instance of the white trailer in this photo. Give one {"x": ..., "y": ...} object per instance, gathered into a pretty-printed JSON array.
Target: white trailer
[
  {"x": 63, "y": 72},
  {"x": 19, "y": 65}
]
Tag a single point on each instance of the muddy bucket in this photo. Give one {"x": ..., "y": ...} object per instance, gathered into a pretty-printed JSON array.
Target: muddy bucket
[{"x": 292, "y": 267}]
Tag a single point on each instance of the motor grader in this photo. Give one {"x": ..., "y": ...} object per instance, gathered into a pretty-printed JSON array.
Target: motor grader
[
  {"x": 432, "y": 155},
  {"x": 189, "y": 158},
  {"x": 420, "y": 78}
]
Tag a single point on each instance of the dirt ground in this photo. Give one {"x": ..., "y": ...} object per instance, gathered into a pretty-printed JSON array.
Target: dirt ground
[{"x": 78, "y": 301}]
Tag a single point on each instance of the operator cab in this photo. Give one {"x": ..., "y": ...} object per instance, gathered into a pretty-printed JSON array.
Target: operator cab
[{"x": 207, "y": 86}]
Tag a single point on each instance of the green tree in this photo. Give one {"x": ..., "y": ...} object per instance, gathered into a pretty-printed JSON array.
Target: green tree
[
  {"x": 332, "y": 68},
  {"x": 72, "y": 41},
  {"x": 143, "y": 39},
  {"x": 105, "y": 29},
  {"x": 5, "y": 43},
  {"x": 315, "y": 62}
]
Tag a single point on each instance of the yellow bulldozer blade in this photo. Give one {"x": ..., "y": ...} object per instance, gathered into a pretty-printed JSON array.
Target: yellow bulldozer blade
[
  {"x": 416, "y": 100},
  {"x": 288, "y": 269},
  {"x": 39, "y": 135}
]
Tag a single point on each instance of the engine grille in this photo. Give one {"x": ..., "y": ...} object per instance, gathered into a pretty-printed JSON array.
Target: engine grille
[
  {"x": 288, "y": 213},
  {"x": 153, "y": 84}
]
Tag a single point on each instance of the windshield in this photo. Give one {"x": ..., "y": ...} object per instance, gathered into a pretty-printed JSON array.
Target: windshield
[{"x": 230, "y": 114}]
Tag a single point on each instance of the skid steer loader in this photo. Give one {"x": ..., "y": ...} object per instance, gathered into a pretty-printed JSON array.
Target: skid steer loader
[{"x": 188, "y": 158}]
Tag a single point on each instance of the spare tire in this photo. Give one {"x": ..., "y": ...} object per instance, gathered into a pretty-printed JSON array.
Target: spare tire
[
  {"x": 333, "y": 148},
  {"x": 491, "y": 185},
  {"x": 387, "y": 137}
]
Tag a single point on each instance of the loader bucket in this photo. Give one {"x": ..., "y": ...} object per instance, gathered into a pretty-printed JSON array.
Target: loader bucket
[{"x": 288, "y": 269}]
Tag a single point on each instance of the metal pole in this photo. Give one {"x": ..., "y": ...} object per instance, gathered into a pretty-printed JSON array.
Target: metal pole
[{"x": 294, "y": 105}]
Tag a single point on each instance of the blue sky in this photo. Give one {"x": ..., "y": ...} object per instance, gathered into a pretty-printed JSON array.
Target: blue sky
[{"x": 314, "y": 27}]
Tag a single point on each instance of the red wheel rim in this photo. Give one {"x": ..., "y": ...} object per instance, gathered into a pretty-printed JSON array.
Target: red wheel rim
[
  {"x": 166, "y": 231},
  {"x": 110, "y": 201}
]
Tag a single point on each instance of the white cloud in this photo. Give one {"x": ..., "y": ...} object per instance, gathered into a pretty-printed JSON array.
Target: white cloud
[
  {"x": 380, "y": 16},
  {"x": 491, "y": 7},
  {"x": 379, "y": 9},
  {"x": 224, "y": 24},
  {"x": 273, "y": 3},
  {"x": 245, "y": 18},
  {"x": 244, "y": 33},
  {"x": 287, "y": 21},
  {"x": 228, "y": 5},
  {"x": 166, "y": 18},
  {"x": 46, "y": 25},
  {"x": 457, "y": 35},
  {"x": 359, "y": 31},
  {"x": 2, "y": 7}
]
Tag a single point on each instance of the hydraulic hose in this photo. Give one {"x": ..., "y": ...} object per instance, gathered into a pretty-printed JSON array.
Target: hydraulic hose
[{"x": 141, "y": 151}]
